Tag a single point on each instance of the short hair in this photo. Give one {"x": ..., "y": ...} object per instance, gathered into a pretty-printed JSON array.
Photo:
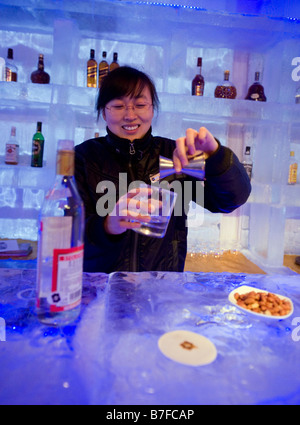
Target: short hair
[{"x": 125, "y": 81}]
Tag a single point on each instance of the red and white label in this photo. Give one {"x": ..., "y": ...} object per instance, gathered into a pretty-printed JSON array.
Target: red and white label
[{"x": 66, "y": 287}]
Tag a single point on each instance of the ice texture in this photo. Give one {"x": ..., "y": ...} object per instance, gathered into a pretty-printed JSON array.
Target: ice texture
[{"x": 110, "y": 355}]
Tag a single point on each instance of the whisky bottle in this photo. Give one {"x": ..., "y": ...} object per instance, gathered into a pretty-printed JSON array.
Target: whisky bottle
[
  {"x": 92, "y": 68},
  {"x": 61, "y": 245},
  {"x": 114, "y": 63},
  {"x": 11, "y": 69},
  {"x": 198, "y": 81},
  {"x": 103, "y": 69},
  {"x": 226, "y": 89},
  {"x": 293, "y": 168},
  {"x": 247, "y": 161},
  {"x": 37, "y": 147},
  {"x": 12, "y": 149},
  {"x": 40, "y": 76},
  {"x": 256, "y": 90}
]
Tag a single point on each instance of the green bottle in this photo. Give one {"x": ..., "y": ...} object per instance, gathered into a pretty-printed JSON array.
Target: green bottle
[{"x": 37, "y": 147}]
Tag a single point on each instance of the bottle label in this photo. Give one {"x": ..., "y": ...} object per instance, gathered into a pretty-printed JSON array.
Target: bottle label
[
  {"x": 66, "y": 279},
  {"x": 60, "y": 267},
  {"x": 11, "y": 153},
  {"x": 293, "y": 174},
  {"x": 199, "y": 89}
]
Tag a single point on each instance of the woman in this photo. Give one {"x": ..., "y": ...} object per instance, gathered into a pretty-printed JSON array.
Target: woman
[{"x": 127, "y": 101}]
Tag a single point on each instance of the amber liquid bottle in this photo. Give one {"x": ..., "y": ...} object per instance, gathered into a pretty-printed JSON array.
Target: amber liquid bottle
[
  {"x": 11, "y": 69},
  {"x": 40, "y": 76},
  {"x": 92, "y": 69},
  {"x": 103, "y": 69},
  {"x": 256, "y": 90},
  {"x": 226, "y": 89},
  {"x": 114, "y": 63},
  {"x": 198, "y": 81}
]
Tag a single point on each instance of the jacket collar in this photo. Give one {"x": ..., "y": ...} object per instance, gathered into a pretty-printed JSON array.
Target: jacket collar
[{"x": 133, "y": 149}]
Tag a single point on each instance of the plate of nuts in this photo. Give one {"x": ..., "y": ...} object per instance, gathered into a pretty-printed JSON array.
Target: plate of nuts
[{"x": 261, "y": 303}]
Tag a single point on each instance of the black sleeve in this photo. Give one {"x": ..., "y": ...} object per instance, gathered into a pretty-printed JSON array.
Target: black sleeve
[{"x": 227, "y": 185}]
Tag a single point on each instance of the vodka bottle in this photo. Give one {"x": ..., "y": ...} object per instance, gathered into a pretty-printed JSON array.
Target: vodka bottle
[
  {"x": 12, "y": 149},
  {"x": 92, "y": 67},
  {"x": 60, "y": 247},
  {"x": 11, "y": 69},
  {"x": 226, "y": 89},
  {"x": 256, "y": 90},
  {"x": 103, "y": 69},
  {"x": 114, "y": 63},
  {"x": 40, "y": 76},
  {"x": 198, "y": 81}
]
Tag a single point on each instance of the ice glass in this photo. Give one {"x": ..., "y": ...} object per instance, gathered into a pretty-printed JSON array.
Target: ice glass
[{"x": 157, "y": 204}]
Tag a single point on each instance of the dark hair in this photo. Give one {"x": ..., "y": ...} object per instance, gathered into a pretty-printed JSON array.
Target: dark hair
[{"x": 125, "y": 81}]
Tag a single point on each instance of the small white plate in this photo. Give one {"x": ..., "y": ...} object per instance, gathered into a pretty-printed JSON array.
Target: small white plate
[
  {"x": 245, "y": 289},
  {"x": 187, "y": 347}
]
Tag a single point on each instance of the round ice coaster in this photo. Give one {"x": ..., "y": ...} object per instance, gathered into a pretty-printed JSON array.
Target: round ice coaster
[{"x": 187, "y": 347}]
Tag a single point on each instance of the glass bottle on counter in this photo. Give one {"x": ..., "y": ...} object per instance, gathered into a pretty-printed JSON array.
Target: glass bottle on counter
[
  {"x": 198, "y": 81},
  {"x": 256, "y": 90},
  {"x": 38, "y": 142},
  {"x": 103, "y": 69},
  {"x": 114, "y": 63},
  {"x": 40, "y": 76},
  {"x": 92, "y": 68},
  {"x": 247, "y": 161},
  {"x": 60, "y": 245},
  {"x": 11, "y": 69},
  {"x": 226, "y": 89},
  {"x": 293, "y": 168},
  {"x": 12, "y": 149}
]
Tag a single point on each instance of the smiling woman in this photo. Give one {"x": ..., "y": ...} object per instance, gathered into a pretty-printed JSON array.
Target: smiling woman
[{"x": 127, "y": 102}]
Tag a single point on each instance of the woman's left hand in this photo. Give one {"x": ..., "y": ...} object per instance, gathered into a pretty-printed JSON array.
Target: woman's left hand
[{"x": 193, "y": 141}]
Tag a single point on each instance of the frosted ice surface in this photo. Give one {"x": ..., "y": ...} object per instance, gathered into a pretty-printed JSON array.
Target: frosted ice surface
[{"x": 110, "y": 356}]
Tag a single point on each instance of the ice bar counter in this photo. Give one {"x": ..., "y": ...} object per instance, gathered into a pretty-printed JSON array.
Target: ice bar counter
[{"x": 112, "y": 355}]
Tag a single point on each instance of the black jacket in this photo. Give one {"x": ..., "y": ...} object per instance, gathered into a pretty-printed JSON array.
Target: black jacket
[{"x": 227, "y": 187}]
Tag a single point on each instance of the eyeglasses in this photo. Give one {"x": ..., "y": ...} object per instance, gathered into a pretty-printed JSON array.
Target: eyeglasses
[{"x": 119, "y": 109}]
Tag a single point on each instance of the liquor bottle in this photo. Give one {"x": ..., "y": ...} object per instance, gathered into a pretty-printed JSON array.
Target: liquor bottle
[
  {"x": 60, "y": 245},
  {"x": 226, "y": 89},
  {"x": 247, "y": 161},
  {"x": 12, "y": 149},
  {"x": 114, "y": 63},
  {"x": 293, "y": 167},
  {"x": 40, "y": 76},
  {"x": 37, "y": 147},
  {"x": 103, "y": 69},
  {"x": 92, "y": 68},
  {"x": 11, "y": 69},
  {"x": 256, "y": 90},
  {"x": 198, "y": 81}
]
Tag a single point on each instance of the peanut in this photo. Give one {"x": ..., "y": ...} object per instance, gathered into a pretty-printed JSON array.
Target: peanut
[{"x": 264, "y": 303}]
